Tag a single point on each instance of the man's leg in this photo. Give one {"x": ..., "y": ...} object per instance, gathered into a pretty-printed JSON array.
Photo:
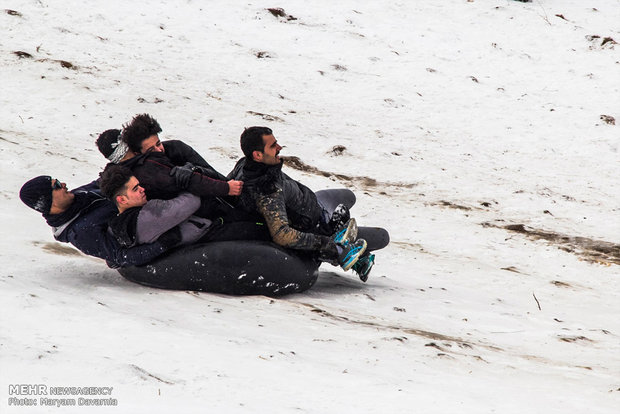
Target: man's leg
[
  {"x": 330, "y": 199},
  {"x": 333, "y": 215},
  {"x": 237, "y": 230}
]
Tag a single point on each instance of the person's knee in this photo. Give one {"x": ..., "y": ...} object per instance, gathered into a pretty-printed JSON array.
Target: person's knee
[
  {"x": 349, "y": 198},
  {"x": 332, "y": 197}
]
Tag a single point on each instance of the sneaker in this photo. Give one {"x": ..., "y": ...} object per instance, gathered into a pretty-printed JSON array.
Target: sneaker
[
  {"x": 339, "y": 217},
  {"x": 351, "y": 253},
  {"x": 363, "y": 266},
  {"x": 347, "y": 234}
]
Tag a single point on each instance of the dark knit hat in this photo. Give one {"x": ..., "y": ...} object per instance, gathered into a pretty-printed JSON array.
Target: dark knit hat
[
  {"x": 37, "y": 193},
  {"x": 111, "y": 146}
]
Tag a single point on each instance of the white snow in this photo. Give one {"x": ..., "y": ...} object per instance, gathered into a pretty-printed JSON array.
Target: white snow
[{"x": 446, "y": 104}]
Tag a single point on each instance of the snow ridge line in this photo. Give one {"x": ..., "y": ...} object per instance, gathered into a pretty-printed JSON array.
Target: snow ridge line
[
  {"x": 593, "y": 251},
  {"x": 413, "y": 331},
  {"x": 298, "y": 164}
]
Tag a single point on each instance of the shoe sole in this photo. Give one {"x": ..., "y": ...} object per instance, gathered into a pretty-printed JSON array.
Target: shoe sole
[{"x": 348, "y": 234}]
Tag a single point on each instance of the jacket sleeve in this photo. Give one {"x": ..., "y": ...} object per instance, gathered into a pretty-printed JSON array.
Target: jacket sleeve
[
  {"x": 92, "y": 186},
  {"x": 156, "y": 180},
  {"x": 179, "y": 153},
  {"x": 202, "y": 186},
  {"x": 272, "y": 207},
  {"x": 93, "y": 239},
  {"x": 159, "y": 216}
]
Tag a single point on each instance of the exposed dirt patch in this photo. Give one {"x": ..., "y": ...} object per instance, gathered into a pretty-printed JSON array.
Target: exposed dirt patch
[
  {"x": 57, "y": 248},
  {"x": 608, "y": 119},
  {"x": 266, "y": 117},
  {"x": 594, "y": 251},
  {"x": 337, "y": 150},
  {"x": 227, "y": 152},
  {"x": 444, "y": 203},
  {"x": 22, "y": 55},
  {"x": 65, "y": 64},
  {"x": 298, "y": 164},
  {"x": 608, "y": 40},
  {"x": 263, "y": 55},
  {"x": 441, "y": 342},
  {"x": 7, "y": 140},
  {"x": 145, "y": 375},
  {"x": 411, "y": 246},
  {"x": 511, "y": 269},
  {"x": 426, "y": 334},
  {"x": 574, "y": 339},
  {"x": 279, "y": 12},
  {"x": 155, "y": 100},
  {"x": 605, "y": 42}
]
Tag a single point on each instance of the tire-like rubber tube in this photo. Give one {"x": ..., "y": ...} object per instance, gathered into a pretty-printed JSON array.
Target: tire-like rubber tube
[{"x": 231, "y": 267}]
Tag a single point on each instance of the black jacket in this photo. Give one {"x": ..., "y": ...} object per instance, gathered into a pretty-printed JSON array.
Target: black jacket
[
  {"x": 153, "y": 172},
  {"x": 302, "y": 207},
  {"x": 289, "y": 208},
  {"x": 87, "y": 230},
  {"x": 180, "y": 153}
]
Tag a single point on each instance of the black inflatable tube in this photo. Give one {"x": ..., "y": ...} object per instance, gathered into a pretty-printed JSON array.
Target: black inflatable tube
[{"x": 231, "y": 267}]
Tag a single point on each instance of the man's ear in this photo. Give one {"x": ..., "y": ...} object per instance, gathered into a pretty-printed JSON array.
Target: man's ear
[
  {"x": 121, "y": 199},
  {"x": 257, "y": 156}
]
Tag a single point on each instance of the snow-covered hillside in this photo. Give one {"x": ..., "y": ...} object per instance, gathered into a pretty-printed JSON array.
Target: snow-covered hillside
[{"x": 484, "y": 135}]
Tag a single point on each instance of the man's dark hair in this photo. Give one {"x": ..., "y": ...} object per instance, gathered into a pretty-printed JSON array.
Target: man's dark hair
[
  {"x": 252, "y": 140},
  {"x": 113, "y": 179},
  {"x": 106, "y": 140},
  {"x": 140, "y": 128}
]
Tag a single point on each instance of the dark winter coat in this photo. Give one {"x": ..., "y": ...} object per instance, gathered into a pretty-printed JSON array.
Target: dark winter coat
[
  {"x": 302, "y": 207},
  {"x": 289, "y": 208},
  {"x": 88, "y": 232},
  {"x": 180, "y": 153},
  {"x": 153, "y": 172},
  {"x": 146, "y": 224}
]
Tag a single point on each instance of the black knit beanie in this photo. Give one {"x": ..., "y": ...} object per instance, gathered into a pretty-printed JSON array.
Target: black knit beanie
[
  {"x": 108, "y": 142},
  {"x": 37, "y": 193}
]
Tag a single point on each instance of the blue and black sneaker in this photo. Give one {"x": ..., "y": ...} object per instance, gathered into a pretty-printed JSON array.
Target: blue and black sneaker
[
  {"x": 364, "y": 265},
  {"x": 351, "y": 252},
  {"x": 346, "y": 234}
]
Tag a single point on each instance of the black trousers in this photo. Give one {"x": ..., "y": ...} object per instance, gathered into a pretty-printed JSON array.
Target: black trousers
[{"x": 236, "y": 230}]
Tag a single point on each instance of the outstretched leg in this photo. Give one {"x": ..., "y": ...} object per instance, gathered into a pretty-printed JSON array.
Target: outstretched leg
[
  {"x": 237, "y": 230},
  {"x": 329, "y": 199}
]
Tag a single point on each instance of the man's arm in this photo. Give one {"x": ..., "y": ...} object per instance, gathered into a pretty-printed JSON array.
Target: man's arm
[
  {"x": 154, "y": 176},
  {"x": 159, "y": 216},
  {"x": 89, "y": 234},
  {"x": 180, "y": 153},
  {"x": 92, "y": 186},
  {"x": 272, "y": 207}
]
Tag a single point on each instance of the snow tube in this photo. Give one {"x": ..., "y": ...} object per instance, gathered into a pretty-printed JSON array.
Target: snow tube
[
  {"x": 231, "y": 267},
  {"x": 376, "y": 237}
]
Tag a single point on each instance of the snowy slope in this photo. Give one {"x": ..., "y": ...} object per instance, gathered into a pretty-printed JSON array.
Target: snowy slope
[{"x": 479, "y": 133}]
